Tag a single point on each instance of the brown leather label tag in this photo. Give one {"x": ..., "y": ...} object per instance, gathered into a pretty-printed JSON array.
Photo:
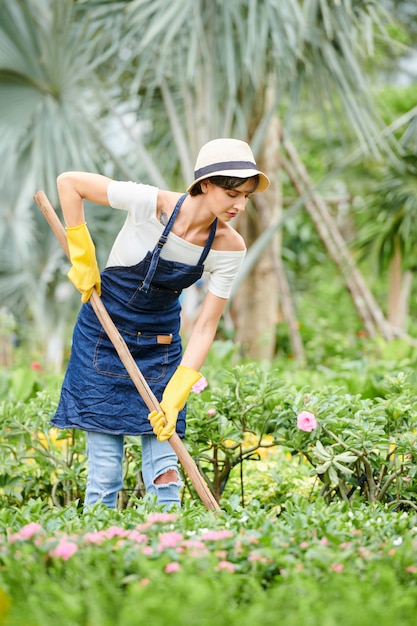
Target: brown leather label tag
[{"x": 167, "y": 339}]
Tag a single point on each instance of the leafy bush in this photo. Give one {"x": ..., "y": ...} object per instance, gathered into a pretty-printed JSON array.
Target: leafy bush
[
  {"x": 37, "y": 460},
  {"x": 22, "y": 382},
  {"x": 357, "y": 446},
  {"x": 360, "y": 445}
]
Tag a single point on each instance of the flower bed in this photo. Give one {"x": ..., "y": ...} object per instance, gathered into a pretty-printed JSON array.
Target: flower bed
[{"x": 107, "y": 567}]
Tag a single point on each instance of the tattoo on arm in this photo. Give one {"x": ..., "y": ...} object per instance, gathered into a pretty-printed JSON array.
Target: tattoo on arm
[{"x": 163, "y": 218}]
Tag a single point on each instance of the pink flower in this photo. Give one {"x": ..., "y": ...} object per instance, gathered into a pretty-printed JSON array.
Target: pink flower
[
  {"x": 196, "y": 548},
  {"x": 36, "y": 366},
  {"x": 169, "y": 540},
  {"x": 364, "y": 553},
  {"x": 306, "y": 421},
  {"x": 172, "y": 567},
  {"x": 114, "y": 531},
  {"x": 411, "y": 569},
  {"x": 211, "y": 412},
  {"x": 95, "y": 537},
  {"x": 337, "y": 567},
  {"x": 99, "y": 536},
  {"x": 144, "y": 581},
  {"x": 216, "y": 535},
  {"x": 162, "y": 518},
  {"x": 135, "y": 535},
  {"x": 221, "y": 554},
  {"x": 199, "y": 385},
  {"x": 226, "y": 565},
  {"x": 252, "y": 540},
  {"x": 255, "y": 556},
  {"x": 64, "y": 550},
  {"x": 26, "y": 532}
]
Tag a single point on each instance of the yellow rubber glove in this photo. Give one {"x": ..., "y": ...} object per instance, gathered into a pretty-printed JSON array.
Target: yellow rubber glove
[
  {"x": 84, "y": 273},
  {"x": 173, "y": 400}
]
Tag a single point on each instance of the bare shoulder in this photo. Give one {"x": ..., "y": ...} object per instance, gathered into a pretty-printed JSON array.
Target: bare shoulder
[{"x": 228, "y": 239}]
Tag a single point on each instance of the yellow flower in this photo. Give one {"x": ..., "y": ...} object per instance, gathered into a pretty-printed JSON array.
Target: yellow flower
[
  {"x": 55, "y": 439},
  {"x": 4, "y": 605}
]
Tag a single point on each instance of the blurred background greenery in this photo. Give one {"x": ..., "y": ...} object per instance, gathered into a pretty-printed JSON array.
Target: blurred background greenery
[{"x": 324, "y": 91}]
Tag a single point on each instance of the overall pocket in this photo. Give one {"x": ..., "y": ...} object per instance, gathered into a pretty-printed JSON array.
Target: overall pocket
[{"x": 152, "y": 354}]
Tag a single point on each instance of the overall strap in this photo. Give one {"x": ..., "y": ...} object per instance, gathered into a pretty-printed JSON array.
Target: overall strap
[
  {"x": 159, "y": 245},
  {"x": 208, "y": 243},
  {"x": 162, "y": 239}
]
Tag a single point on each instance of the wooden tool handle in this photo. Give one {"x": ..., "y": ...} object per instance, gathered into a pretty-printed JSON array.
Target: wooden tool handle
[{"x": 128, "y": 361}]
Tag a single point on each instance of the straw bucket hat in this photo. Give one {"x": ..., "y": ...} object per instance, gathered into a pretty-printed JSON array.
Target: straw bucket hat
[{"x": 227, "y": 157}]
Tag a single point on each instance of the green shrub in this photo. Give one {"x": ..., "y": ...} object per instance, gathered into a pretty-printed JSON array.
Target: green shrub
[
  {"x": 358, "y": 447},
  {"x": 35, "y": 459},
  {"x": 243, "y": 432}
]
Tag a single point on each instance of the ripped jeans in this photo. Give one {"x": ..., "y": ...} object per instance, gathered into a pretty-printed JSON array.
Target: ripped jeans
[{"x": 105, "y": 458}]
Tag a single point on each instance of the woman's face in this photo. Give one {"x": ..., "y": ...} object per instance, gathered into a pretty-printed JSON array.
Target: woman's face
[{"x": 227, "y": 203}]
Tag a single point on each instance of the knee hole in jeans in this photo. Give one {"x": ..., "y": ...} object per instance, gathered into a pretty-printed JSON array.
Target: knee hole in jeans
[{"x": 169, "y": 476}]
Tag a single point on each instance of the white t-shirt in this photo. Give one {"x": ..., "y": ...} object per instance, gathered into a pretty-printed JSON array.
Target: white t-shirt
[{"x": 142, "y": 230}]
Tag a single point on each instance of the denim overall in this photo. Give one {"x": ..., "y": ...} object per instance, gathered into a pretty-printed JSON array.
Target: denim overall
[{"x": 143, "y": 301}]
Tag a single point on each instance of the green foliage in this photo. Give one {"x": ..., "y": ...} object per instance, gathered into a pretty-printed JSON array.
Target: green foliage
[
  {"x": 220, "y": 421},
  {"x": 314, "y": 565},
  {"x": 290, "y": 554},
  {"x": 351, "y": 363},
  {"x": 360, "y": 445},
  {"x": 396, "y": 101},
  {"x": 94, "y": 85},
  {"x": 37, "y": 460},
  {"x": 20, "y": 383},
  {"x": 363, "y": 444},
  {"x": 244, "y": 425},
  {"x": 390, "y": 213}
]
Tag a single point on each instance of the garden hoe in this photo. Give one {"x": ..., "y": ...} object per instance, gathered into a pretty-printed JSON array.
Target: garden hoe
[{"x": 128, "y": 361}]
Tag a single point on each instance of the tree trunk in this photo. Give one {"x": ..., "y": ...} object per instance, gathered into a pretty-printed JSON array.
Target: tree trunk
[
  {"x": 285, "y": 300},
  {"x": 255, "y": 307},
  {"x": 399, "y": 291},
  {"x": 364, "y": 301},
  {"x": 289, "y": 313}
]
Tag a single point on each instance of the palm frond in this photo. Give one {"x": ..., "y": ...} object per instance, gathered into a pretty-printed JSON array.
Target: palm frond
[{"x": 391, "y": 212}]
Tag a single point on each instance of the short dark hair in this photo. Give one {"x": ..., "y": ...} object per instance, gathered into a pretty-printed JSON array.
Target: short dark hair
[{"x": 225, "y": 182}]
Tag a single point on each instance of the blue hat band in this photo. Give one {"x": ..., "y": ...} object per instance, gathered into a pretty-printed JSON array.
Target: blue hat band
[{"x": 226, "y": 165}]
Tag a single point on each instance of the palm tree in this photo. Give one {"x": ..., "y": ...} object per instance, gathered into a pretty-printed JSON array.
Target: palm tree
[
  {"x": 389, "y": 234},
  {"x": 168, "y": 77},
  {"x": 243, "y": 69},
  {"x": 50, "y": 108}
]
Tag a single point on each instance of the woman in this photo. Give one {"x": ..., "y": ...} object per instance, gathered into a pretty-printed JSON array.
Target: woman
[{"x": 166, "y": 243}]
